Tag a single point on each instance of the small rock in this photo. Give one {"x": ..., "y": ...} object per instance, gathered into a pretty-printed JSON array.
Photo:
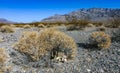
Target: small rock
[{"x": 88, "y": 70}]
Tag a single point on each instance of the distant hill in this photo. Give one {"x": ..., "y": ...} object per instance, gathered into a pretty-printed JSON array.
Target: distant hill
[
  {"x": 92, "y": 14},
  {"x": 2, "y": 20}
]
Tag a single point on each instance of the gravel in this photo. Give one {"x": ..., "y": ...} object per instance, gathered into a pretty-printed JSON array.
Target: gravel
[{"x": 88, "y": 60}]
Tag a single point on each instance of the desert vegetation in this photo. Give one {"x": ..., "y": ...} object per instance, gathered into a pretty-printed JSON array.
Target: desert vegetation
[
  {"x": 39, "y": 46},
  {"x": 114, "y": 22},
  {"x": 100, "y": 40},
  {"x": 6, "y": 29},
  {"x": 49, "y": 41},
  {"x": 26, "y": 26},
  {"x": 3, "y": 60},
  {"x": 77, "y": 45}
]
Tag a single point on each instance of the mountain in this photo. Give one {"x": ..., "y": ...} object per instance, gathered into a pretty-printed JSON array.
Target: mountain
[
  {"x": 92, "y": 14},
  {"x": 2, "y": 20}
]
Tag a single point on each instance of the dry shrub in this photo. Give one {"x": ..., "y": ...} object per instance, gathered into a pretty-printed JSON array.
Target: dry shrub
[
  {"x": 71, "y": 27},
  {"x": 115, "y": 22},
  {"x": 19, "y": 25},
  {"x": 12, "y": 25},
  {"x": 83, "y": 23},
  {"x": 26, "y": 26},
  {"x": 57, "y": 42},
  {"x": 6, "y": 29},
  {"x": 101, "y": 28},
  {"x": 47, "y": 42},
  {"x": 100, "y": 40},
  {"x": 90, "y": 25},
  {"x": 2, "y": 24},
  {"x": 28, "y": 44},
  {"x": 3, "y": 60},
  {"x": 97, "y": 24},
  {"x": 41, "y": 26}
]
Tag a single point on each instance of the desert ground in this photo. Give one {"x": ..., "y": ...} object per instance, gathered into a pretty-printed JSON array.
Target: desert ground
[{"x": 88, "y": 59}]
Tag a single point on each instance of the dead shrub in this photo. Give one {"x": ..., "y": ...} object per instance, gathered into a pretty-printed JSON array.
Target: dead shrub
[
  {"x": 101, "y": 28},
  {"x": 100, "y": 40},
  {"x": 71, "y": 27},
  {"x": 26, "y": 26},
  {"x": 47, "y": 42},
  {"x": 3, "y": 60},
  {"x": 57, "y": 41},
  {"x": 115, "y": 22},
  {"x": 90, "y": 25},
  {"x": 6, "y": 29},
  {"x": 41, "y": 26},
  {"x": 27, "y": 44}
]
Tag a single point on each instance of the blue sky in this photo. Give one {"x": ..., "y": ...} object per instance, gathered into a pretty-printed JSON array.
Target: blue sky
[{"x": 35, "y": 10}]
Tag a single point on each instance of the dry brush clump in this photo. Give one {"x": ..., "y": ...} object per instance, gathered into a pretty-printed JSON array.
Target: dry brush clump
[
  {"x": 101, "y": 28},
  {"x": 41, "y": 26},
  {"x": 115, "y": 22},
  {"x": 57, "y": 41},
  {"x": 90, "y": 25},
  {"x": 71, "y": 27},
  {"x": 26, "y": 26},
  {"x": 3, "y": 59},
  {"x": 100, "y": 39},
  {"x": 27, "y": 44},
  {"x": 12, "y": 25},
  {"x": 6, "y": 29},
  {"x": 47, "y": 42}
]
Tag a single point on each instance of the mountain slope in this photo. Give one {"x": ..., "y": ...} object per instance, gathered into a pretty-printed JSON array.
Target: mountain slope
[
  {"x": 2, "y": 20},
  {"x": 93, "y": 14}
]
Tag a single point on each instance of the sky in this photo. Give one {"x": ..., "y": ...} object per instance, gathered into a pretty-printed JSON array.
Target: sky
[{"x": 36, "y": 10}]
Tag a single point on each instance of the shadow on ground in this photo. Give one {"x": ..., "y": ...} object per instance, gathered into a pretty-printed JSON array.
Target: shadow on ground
[{"x": 87, "y": 46}]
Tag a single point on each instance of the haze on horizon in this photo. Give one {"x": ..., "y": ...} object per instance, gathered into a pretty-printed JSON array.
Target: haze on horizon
[{"x": 35, "y": 10}]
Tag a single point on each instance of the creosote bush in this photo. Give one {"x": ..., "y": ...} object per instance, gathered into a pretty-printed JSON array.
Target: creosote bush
[
  {"x": 3, "y": 60},
  {"x": 100, "y": 39},
  {"x": 47, "y": 42},
  {"x": 6, "y": 29}
]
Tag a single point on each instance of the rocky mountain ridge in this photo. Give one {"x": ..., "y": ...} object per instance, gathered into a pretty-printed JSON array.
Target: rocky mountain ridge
[
  {"x": 92, "y": 14},
  {"x": 2, "y": 20}
]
